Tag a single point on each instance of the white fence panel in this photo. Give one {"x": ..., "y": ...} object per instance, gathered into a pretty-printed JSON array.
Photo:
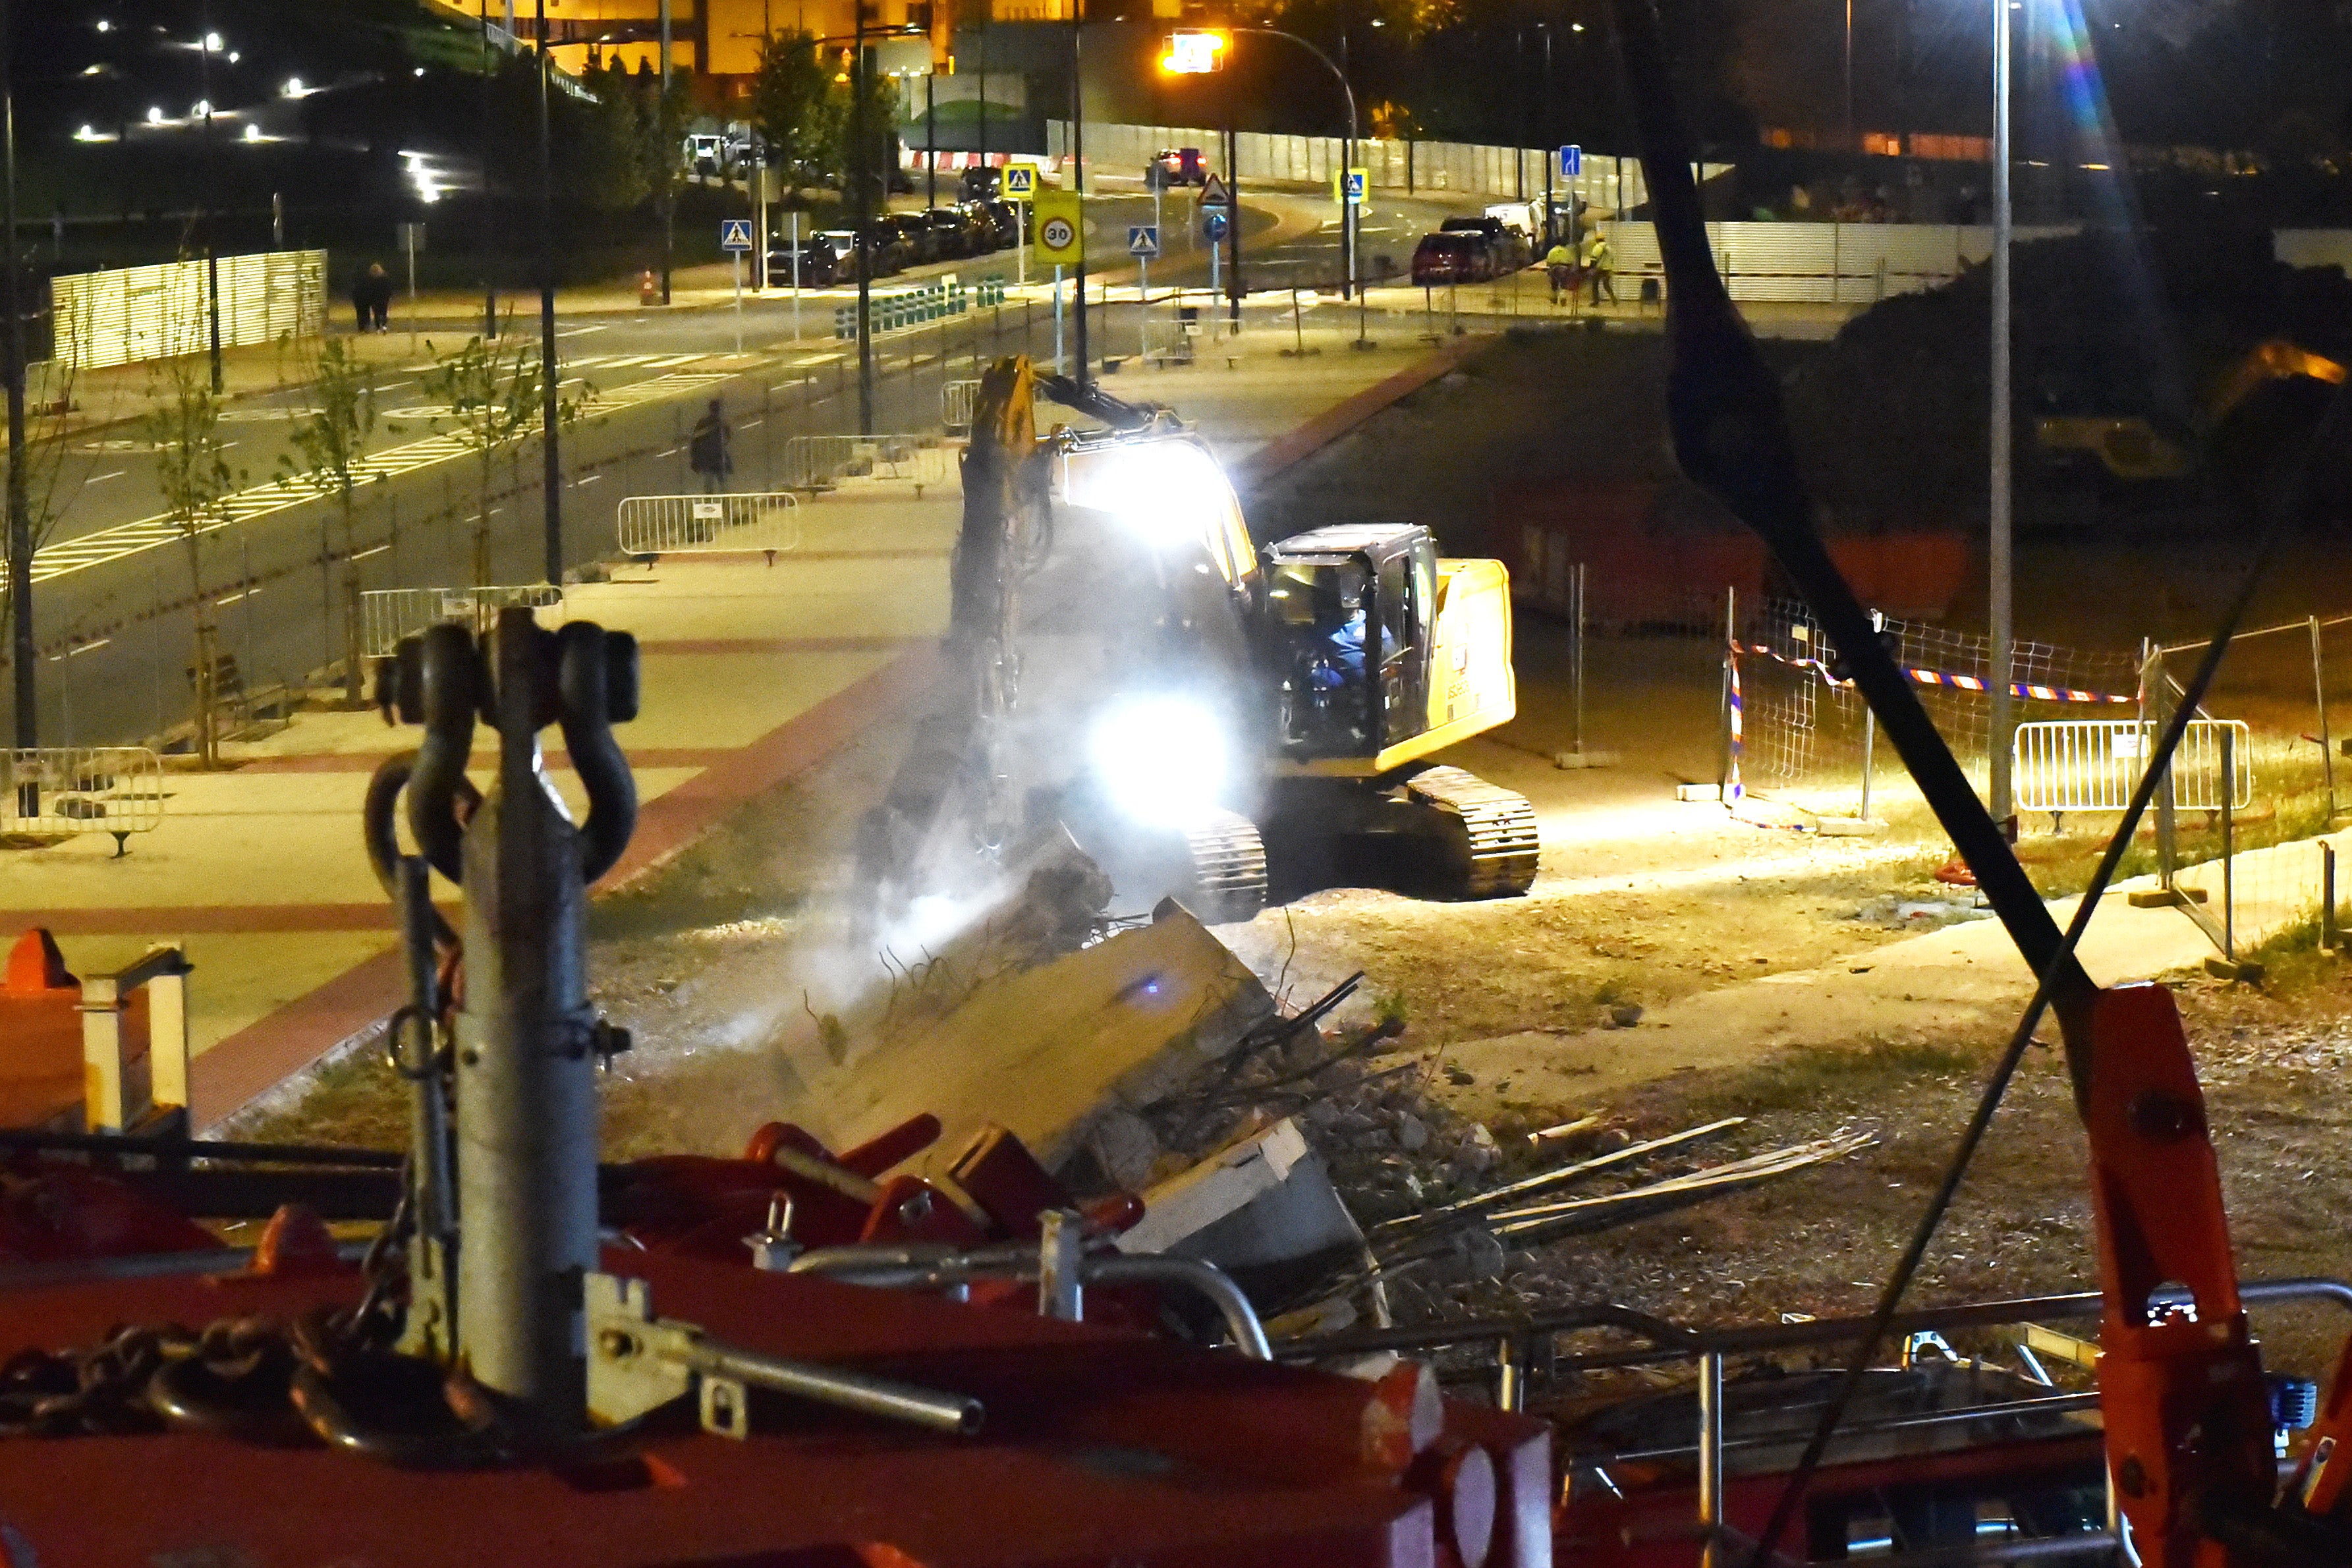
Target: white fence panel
[
  {"x": 388, "y": 614},
  {"x": 820, "y": 462},
  {"x": 57, "y": 792},
  {"x": 2093, "y": 764},
  {"x": 688, "y": 525},
  {"x": 130, "y": 315}
]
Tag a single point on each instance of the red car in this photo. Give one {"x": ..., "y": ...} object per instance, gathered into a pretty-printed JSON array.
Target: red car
[{"x": 1452, "y": 256}]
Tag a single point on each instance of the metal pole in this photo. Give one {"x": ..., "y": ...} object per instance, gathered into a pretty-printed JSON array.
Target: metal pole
[
  {"x": 1710, "y": 1456},
  {"x": 1849, "y": 75},
  {"x": 490, "y": 201},
  {"x": 2326, "y": 897},
  {"x": 1232, "y": 210},
  {"x": 797, "y": 276},
  {"x": 552, "y": 497},
  {"x": 930, "y": 140},
  {"x": 1996, "y": 553},
  {"x": 2319, "y": 702},
  {"x": 662, "y": 128},
  {"x": 1511, "y": 1376},
  {"x": 736, "y": 256},
  {"x": 859, "y": 152},
  {"x": 1059, "y": 367},
  {"x": 1723, "y": 699},
  {"x": 212, "y": 251},
  {"x": 1551, "y": 140},
  {"x": 1576, "y": 650},
  {"x": 1870, "y": 728},
  {"x": 2228, "y": 844},
  {"x": 12, "y": 365},
  {"x": 1078, "y": 173}
]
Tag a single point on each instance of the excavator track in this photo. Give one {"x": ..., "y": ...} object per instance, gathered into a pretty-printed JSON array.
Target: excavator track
[
  {"x": 1489, "y": 831},
  {"x": 1228, "y": 868}
]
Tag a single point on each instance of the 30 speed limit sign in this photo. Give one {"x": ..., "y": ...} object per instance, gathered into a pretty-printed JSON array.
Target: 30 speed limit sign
[{"x": 1060, "y": 229}]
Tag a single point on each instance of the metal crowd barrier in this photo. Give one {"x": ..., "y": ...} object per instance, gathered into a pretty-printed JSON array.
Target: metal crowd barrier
[
  {"x": 820, "y": 462},
  {"x": 388, "y": 614},
  {"x": 955, "y": 406},
  {"x": 674, "y": 525},
  {"x": 57, "y": 792},
  {"x": 2092, "y": 765}
]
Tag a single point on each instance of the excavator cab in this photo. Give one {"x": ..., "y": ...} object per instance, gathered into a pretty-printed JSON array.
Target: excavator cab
[{"x": 1348, "y": 626}]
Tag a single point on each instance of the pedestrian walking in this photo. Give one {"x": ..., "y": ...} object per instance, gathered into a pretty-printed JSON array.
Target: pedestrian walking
[
  {"x": 371, "y": 298},
  {"x": 706, "y": 449},
  {"x": 1600, "y": 266},
  {"x": 1560, "y": 267}
]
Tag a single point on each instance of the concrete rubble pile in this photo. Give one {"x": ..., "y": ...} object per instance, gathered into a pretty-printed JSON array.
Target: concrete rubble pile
[{"x": 1312, "y": 1159}]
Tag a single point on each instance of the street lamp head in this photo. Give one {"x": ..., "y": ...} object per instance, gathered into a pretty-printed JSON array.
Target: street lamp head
[
  {"x": 104, "y": 26},
  {"x": 293, "y": 86},
  {"x": 155, "y": 115},
  {"x": 1195, "y": 53},
  {"x": 212, "y": 43},
  {"x": 252, "y": 132}
]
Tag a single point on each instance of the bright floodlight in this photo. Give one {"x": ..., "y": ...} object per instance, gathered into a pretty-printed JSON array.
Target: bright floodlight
[
  {"x": 1193, "y": 53},
  {"x": 213, "y": 42},
  {"x": 1160, "y": 759},
  {"x": 85, "y": 134},
  {"x": 1168, "y": 491},
  {"x": 203, "y": 109},
  {"x": 104, "y": 26},
  {"x": 155, "y": 115},
  {"x": 234, "y": 57},
  {"x": 252, "y": 132},
  {"x": 293, "y": 86}
]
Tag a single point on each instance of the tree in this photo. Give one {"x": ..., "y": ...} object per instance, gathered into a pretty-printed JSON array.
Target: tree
[
  {"x": 192, "y": 469},
  {"x": 49, "y": 403},
  {"x": 796, "y": 109},
  {"x": 491, "y": 394},
  {"x": 330, "y": 439}
]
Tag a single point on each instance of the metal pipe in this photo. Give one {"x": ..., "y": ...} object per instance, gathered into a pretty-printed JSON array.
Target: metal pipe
[
  {"x": 2229, "y": 845},
  {"x": 918, "y": 1266},
  {"x": 26, "y": 657},
  {"x": 1672, "y": 1342},
  {"x": 1710, "y": 1454},
  {"x": 958, "y": 1415},
  {"x": 1790, "y": 1437},
  {"x": 2319, "y": 704}
]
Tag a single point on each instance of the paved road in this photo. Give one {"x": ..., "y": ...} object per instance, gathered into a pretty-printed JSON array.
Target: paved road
[{"x": 114, "y": 583}]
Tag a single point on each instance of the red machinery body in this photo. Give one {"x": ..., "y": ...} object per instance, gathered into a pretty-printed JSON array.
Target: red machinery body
[{"x": 1101, "y": 1445}]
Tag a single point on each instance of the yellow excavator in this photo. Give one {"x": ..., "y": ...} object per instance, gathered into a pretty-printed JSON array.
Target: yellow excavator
[
  {"x": 1143, "y": 676},
  {"x": 2130, "y": 450}
]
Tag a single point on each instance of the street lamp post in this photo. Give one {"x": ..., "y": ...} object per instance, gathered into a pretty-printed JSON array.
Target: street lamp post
[
  {"x": 1209, "y": 60},
  {"x": 861, "y": 156},
  {"x": 1997, "y": 552},
  {"x": 1549, "y": 139},
  {"x": 20, "y": 518},
  {"x": 553, "y": 474},
  {"x": 210, "y": 41},
  {"x": 1078, "y": 171}
]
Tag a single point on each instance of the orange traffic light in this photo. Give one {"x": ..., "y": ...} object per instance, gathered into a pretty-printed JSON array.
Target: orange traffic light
[{"x": 1195, "y": 53}]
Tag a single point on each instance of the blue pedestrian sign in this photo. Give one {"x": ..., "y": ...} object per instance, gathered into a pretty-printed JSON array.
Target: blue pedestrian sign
[
  {"x": 1143, "y": 240},
  {"x": 1353, "y": 188},
  {"x": 1571, "y": 162},
  {"x": 735, "y": 234},
  {"x": 1214, "y": 224}
]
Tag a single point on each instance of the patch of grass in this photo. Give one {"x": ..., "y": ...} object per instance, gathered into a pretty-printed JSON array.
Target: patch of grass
[
  {"x": 1389, "y": 1010},
  {"x": 358, "y": 1101},
  {"x": 2293, "y": 961},
  {"x": 1811, "y": 1077}
]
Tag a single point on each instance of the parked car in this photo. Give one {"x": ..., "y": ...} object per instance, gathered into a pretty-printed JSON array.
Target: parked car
[
  {"x": 982, "y": 185},
  {"x": 1506, "y": 246},
  {"x": 905, "y": 239},
  {"x": 706, "y": 153},
  {"x": 825, "y": 260},
  {"x": 1452, "y": 256},
  {"x": 1175, "y": 166},
  {"x": 962, "y": 232},
  {"x": 1007, "y": 222}
]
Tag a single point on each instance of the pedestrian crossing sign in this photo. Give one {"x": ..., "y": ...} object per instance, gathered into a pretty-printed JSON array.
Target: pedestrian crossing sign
[
  {"x": 735, "y": 234},
  {"x": 1020, "y": 181},
  {"x": 1352, "y": 186},
  {"x": 1143, "y": 240}
]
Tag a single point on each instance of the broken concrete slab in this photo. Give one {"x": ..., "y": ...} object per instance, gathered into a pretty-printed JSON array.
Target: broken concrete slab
[
  {"x": 1263, "y": 1209},
  {"x": 1050, "y": 1051}
]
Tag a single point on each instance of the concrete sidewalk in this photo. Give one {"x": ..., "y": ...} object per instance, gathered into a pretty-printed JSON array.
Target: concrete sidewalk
[{"x": 753, "y": 672}]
